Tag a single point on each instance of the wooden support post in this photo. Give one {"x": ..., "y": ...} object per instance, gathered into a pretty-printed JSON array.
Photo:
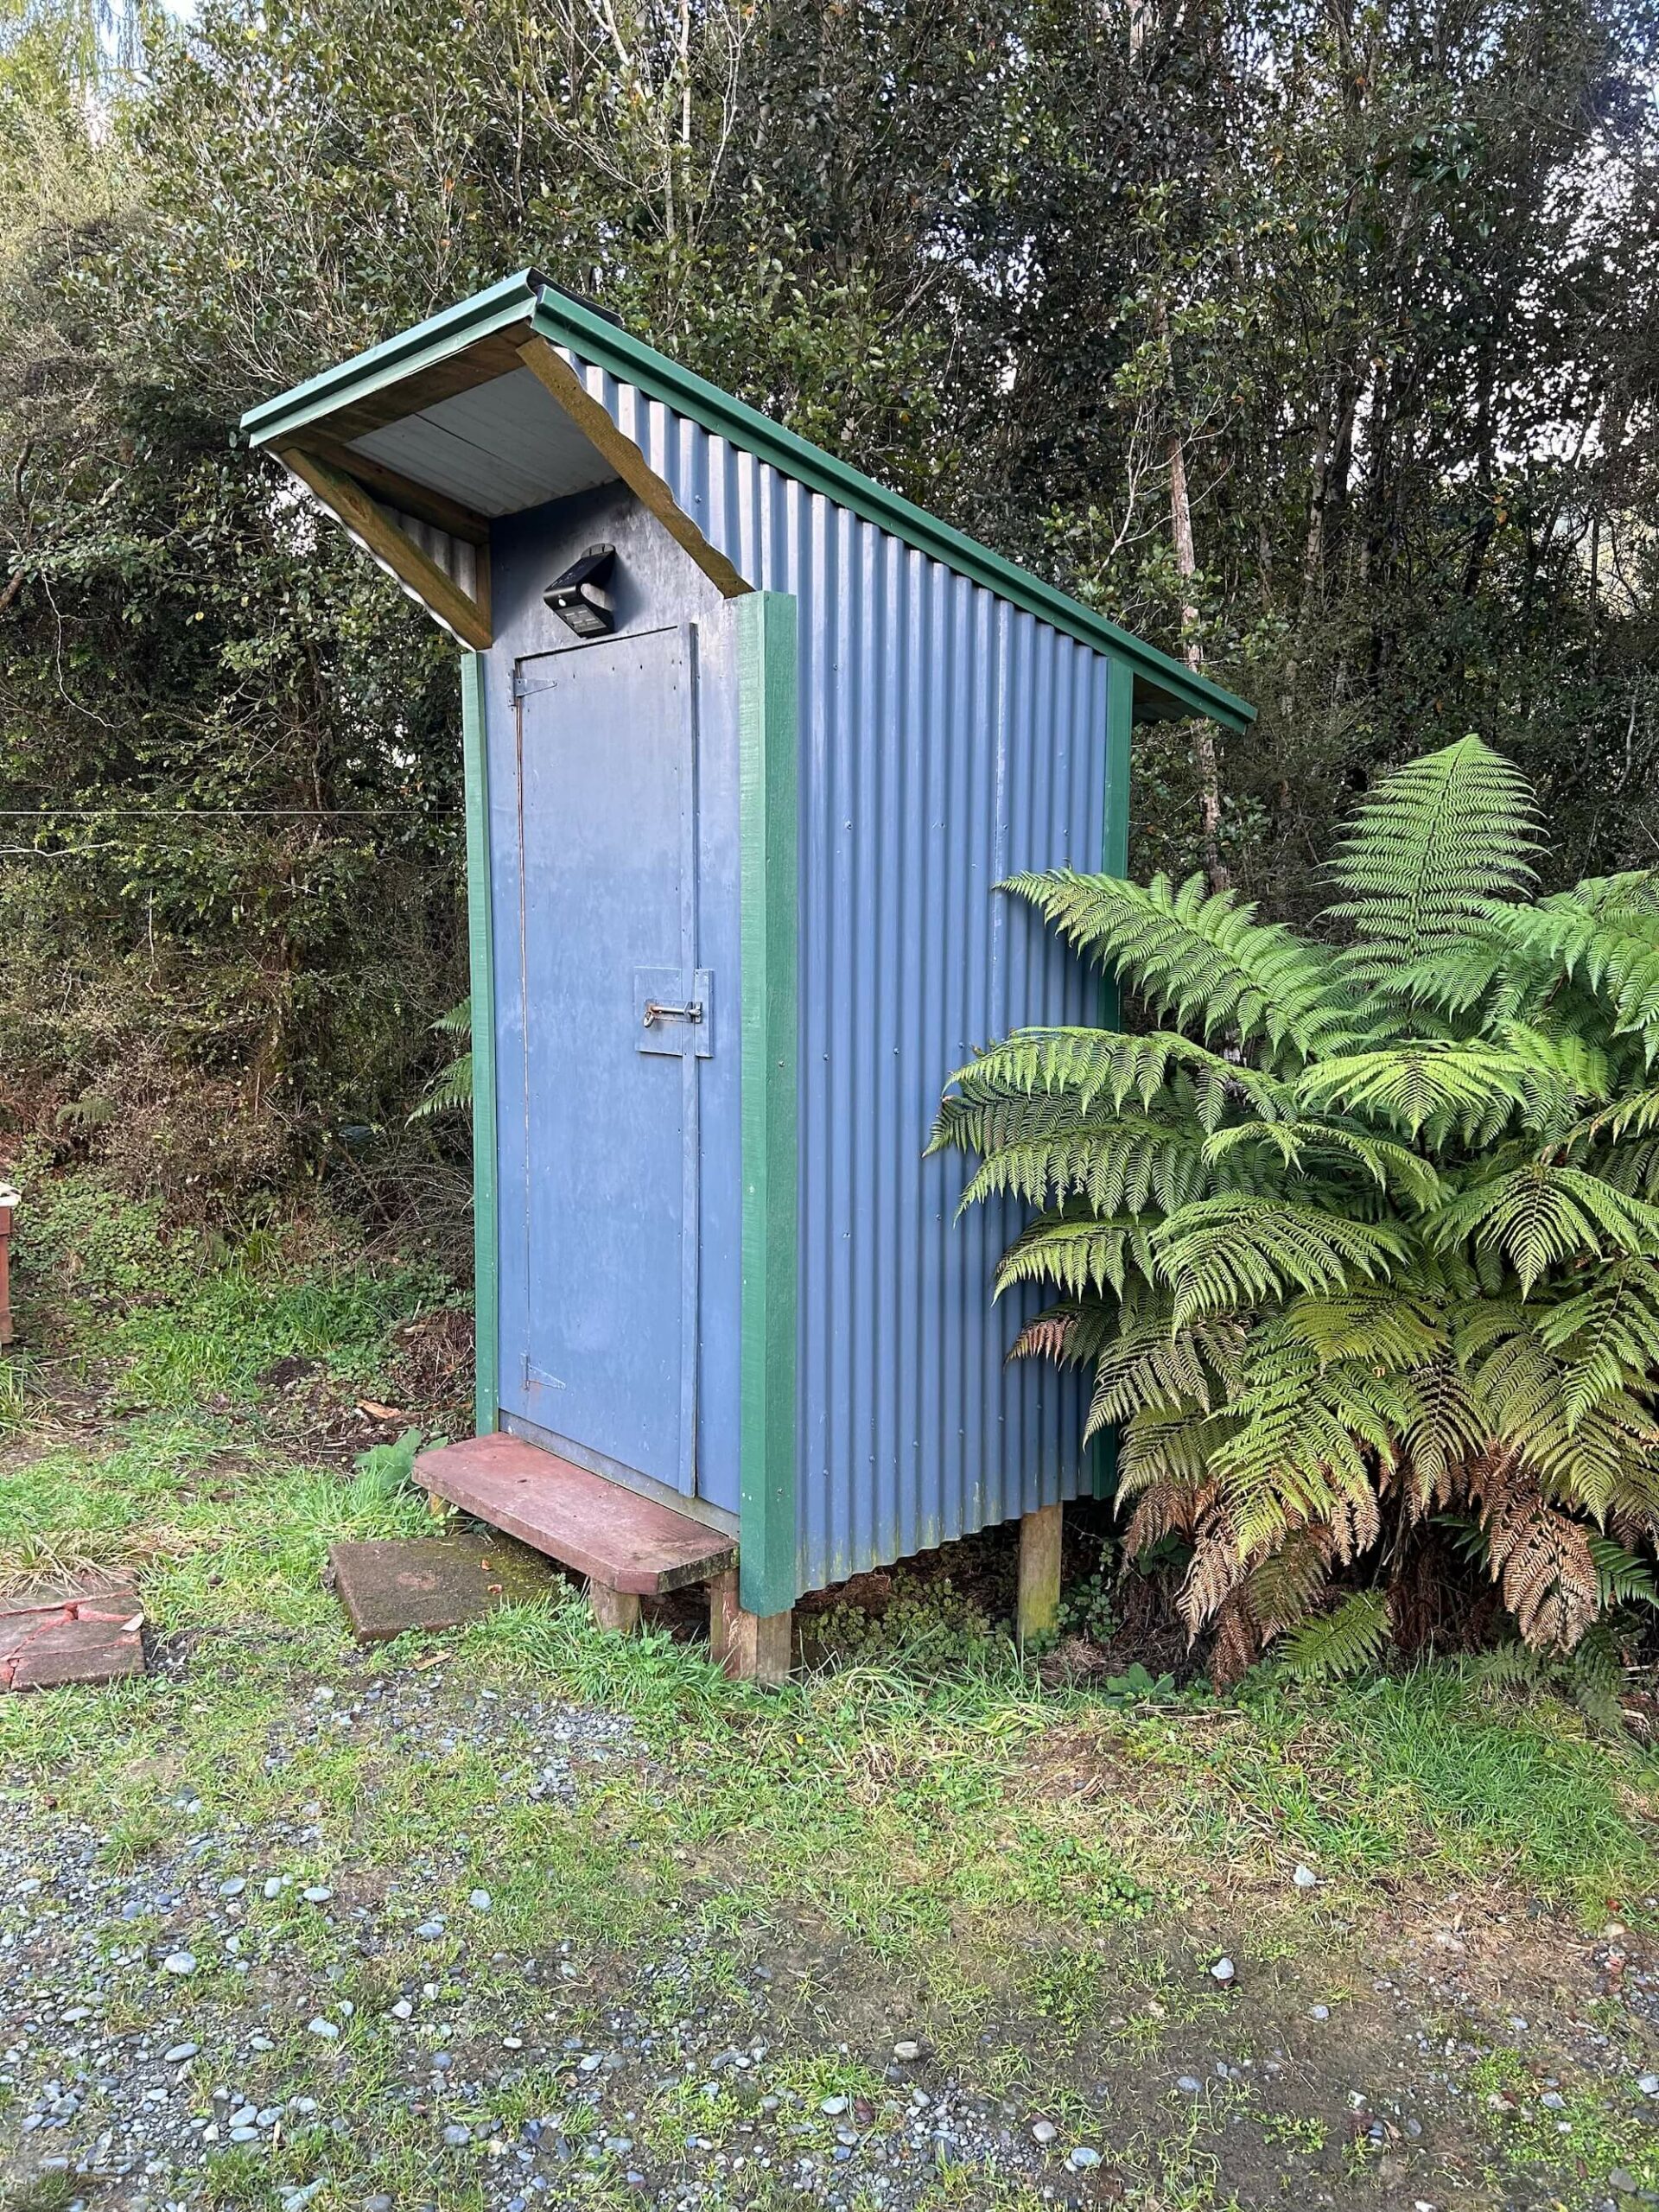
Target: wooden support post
[
  {"x": 747, "y": 1647},
  {"x": 616, "y": 1610},
  {"x": 1039, "y": 1573}
]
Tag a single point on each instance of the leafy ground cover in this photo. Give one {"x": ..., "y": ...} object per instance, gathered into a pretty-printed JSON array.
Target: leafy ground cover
[{"x": 527, "y": 1916}]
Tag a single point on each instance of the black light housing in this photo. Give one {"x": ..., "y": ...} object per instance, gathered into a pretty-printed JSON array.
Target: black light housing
[{"x": 581, "y": 596}]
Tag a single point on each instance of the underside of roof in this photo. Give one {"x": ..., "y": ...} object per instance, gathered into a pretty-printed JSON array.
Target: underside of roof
[{"x": 485, "y": 411}]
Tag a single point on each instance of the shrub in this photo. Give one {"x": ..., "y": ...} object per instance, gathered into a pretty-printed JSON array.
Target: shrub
[{"x": 1359, "y": 1240}]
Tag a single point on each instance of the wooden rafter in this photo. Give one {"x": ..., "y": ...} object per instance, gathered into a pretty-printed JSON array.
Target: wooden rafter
[
  {"x": 394, "y": 489},
  {"x": 350, "y": 504},
  {"x": 630, "y": 464}
]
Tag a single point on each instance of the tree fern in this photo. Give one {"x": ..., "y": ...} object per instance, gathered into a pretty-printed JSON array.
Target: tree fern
[{"x": 1356, "y": 1235}]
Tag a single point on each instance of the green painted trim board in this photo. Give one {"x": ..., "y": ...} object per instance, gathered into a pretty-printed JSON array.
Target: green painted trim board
[
  {"x": 1114, "y": 861},
  {"x": 768, "y": 833},
  {"x": 480, "y": 944}
]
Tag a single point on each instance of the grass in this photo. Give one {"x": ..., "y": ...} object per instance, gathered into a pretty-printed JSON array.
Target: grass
[{"x": 920, "y": 1837}]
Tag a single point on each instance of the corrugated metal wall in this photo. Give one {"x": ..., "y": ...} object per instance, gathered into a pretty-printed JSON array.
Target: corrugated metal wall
[
  {"x": 946, "y": 740},
  {"x": 458, "y": 560}
]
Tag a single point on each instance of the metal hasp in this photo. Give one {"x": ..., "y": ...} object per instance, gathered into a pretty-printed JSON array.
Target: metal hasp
[{"x": 717, "y": 1268}]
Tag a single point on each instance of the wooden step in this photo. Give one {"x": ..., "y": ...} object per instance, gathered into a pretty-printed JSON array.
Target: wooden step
[{"x": 617, "y": 1539}]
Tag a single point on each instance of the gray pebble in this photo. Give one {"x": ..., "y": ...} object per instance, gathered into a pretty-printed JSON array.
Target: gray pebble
[
  {"x": 178, "y": 2054},
  {"x": 326, "y": 2029},
  {"x": 179, "y": 1962}
]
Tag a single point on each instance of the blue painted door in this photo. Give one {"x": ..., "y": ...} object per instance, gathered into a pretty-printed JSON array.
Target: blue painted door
[{"x": 618, "y": 1018}]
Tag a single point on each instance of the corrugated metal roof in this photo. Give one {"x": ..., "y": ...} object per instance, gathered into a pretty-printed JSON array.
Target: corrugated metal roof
[
  {"x": 516, "y": 450},
  {"x": 499, "y": 447}
]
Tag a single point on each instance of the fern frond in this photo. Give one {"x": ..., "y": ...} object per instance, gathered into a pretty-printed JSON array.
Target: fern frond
[
  {"x": 1595, "y": 1677},
  {"x": 1078, "y": 1253},
  {"x": 450, "y": 1090},
  {"x": 1158, "y": 1447},
  {"x": 1283, "y": 1588},
  {"x": 1335, "y": 1645},
  {"x": 1124, "y": 1164},
  {"x": 1435, "y": 848},
  {"x": 1223, "y": 1253},
  {"x": 1088, "y": 1066},
  {"x": 1304, "y": 1441},
  {"x": 1420, "y": 1083},
  {"x": 1149, "y": 1367},
  {"x": 1606, "y": 1336},
  {"x": 1302, "y": 1144},
  {"x": 1605, "y": 935},
  {"x": 1382, "y": 1324},
  {"x": 1622, "y": 1579},
  {"x": 1541, "y": 1558},
  {"x": 1200, "y": 955},
  {"x": 1542, "y": 1215}
]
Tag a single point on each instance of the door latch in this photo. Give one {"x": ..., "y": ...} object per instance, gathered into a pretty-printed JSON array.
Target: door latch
[{"x": 674, "y": 1022}]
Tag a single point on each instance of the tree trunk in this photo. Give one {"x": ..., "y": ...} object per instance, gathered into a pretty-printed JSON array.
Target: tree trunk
[{"x": 1206, "y": 761}]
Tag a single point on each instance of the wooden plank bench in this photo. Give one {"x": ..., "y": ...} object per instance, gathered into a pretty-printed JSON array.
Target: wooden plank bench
[{"x": 628, "y": 1547}]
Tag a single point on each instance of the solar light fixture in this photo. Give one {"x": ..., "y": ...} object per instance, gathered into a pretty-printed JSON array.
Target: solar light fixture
[{"x": 581, "y": 596}]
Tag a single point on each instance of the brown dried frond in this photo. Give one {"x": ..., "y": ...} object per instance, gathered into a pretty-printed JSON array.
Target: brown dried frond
[
  {"x": 1282, "y": 1587},
  {"x": 1216, "y": 1572},
  {"x": 1237, "y": 1641},
  {"x": 1166, "y": 1508},
  {"x": 1049, "y": 1336},
  {"x": 1540, "y": 1560},
  {"x": 1355, "y": 1524}
]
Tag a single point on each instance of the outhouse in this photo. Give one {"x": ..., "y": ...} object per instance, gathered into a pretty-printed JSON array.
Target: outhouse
[{"x": 750, "y": 742}]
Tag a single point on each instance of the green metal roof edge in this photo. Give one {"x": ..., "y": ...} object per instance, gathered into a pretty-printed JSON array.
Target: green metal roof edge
[
  {"x": 567, "y": 321},
  {"x": 511, "y": 301}
]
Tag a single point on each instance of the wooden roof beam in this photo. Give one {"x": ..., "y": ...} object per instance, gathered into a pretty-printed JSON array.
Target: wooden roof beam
[
  {"x": 373, "y": 529},
  {"x": 595, "y": 423}
]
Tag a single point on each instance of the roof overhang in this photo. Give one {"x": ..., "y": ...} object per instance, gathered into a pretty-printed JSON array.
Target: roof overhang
[{"x": 417, "y": 445}]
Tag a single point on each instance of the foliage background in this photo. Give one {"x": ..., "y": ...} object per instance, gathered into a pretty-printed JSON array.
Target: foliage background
[{"x": 1369, "y": 291}]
